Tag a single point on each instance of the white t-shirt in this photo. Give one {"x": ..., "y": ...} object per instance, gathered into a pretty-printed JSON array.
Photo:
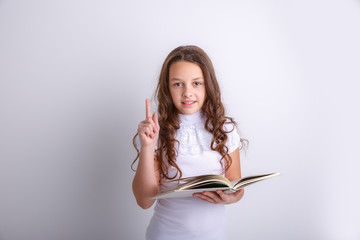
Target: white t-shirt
[{"x": 191, "y": 218}]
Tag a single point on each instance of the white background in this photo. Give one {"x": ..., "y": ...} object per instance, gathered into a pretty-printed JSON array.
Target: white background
[{"x": 73, "y": 78}]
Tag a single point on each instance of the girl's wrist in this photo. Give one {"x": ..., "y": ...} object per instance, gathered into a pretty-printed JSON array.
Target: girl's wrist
[{"x": 147, "y": 148}]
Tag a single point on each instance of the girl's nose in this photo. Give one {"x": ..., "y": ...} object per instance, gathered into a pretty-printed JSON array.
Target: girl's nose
[{"x": 187, "y": 92}]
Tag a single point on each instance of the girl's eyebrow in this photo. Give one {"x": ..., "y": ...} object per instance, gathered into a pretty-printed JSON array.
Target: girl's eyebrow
[{"x": 179, "y": 79}]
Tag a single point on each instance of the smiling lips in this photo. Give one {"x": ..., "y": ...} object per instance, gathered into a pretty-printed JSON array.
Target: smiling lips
[{"x": 188, "y": 103}]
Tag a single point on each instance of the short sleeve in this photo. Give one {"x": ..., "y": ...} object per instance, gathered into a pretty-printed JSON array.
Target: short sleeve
[{"x": 233, "y": 141}]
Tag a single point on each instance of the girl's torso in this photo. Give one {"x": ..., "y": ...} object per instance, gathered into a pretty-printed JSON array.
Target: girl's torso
[{"x": 191, "y": 218}]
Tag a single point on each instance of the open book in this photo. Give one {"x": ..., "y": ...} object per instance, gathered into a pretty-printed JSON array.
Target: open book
[{"x": 210, "y": 182}]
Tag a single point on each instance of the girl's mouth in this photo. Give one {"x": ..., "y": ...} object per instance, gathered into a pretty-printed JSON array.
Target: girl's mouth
[{"x": 188, "y": 103}]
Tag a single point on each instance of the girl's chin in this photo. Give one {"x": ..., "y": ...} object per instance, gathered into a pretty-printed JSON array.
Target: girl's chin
[{"x": 188, "y": 111}]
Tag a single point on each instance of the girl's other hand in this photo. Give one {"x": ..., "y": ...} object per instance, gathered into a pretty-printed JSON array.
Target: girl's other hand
[
  {"x": 219, "y": 197},
  {"x": 148, "y": 129}
]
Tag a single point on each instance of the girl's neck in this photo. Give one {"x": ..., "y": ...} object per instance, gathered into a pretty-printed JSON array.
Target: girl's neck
[{"x": 192, "y": 118}]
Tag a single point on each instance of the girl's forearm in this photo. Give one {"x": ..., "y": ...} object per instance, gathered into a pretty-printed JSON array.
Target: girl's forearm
[{"x": 146, "y": 181}]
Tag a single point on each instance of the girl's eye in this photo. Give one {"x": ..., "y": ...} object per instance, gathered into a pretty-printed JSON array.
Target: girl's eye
[
  {"x": 177, "y": 84},
  {"x": 197, "y": 83}
]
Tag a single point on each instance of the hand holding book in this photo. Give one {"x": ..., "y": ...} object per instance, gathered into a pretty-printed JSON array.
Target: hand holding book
[
  {"x": 210, "y": 183},
  {"x": 219, "y": 197}
]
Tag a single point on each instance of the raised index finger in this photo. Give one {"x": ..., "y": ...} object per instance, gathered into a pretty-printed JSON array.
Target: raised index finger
[{"x": 148, "y": 109}]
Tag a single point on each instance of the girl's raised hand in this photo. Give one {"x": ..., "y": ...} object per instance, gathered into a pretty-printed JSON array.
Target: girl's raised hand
[{"x": 148, "y": 129}]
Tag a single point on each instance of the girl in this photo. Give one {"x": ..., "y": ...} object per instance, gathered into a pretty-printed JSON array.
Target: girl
[{"x": 192, "y": 136}]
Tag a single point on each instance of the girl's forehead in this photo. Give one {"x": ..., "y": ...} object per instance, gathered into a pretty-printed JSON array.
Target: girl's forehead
[{"x": 185, "y": 69}]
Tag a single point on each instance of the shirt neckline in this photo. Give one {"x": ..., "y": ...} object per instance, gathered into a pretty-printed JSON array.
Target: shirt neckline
[{"x": 191, "y": 118}]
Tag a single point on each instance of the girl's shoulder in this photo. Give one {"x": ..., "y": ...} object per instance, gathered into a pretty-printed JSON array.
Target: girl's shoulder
[
  {"x": 230, "y": 125},
  {"x": 233, "y": 137}
]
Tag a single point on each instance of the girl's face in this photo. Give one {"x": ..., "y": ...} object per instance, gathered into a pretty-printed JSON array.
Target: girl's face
[{"x": 187, "y": 87}]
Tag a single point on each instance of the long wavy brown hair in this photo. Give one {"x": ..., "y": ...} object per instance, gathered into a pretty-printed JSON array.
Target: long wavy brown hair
[{"x": 212, "y": 109}]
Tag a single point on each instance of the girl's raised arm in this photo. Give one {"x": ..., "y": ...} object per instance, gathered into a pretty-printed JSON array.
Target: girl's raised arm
[{"x": 146, "y": 180}]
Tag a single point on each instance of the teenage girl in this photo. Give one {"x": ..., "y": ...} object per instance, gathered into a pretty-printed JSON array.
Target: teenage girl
[{"x": 190, "y": 136}]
